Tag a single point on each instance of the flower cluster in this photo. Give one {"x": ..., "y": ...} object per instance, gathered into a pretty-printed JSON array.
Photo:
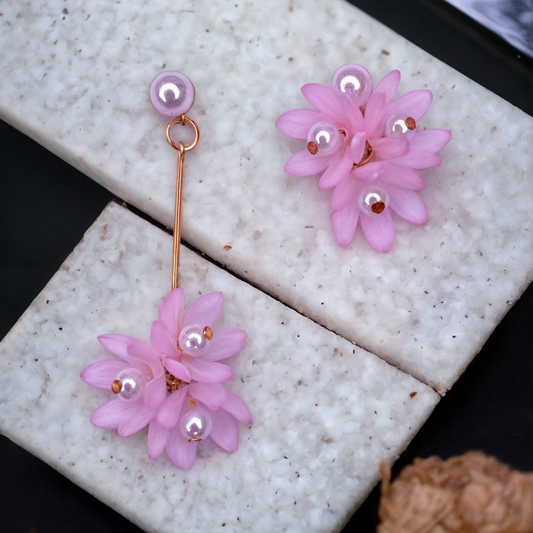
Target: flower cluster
[
  {"x": 173, "y": 385},
  {"x": 369, "y": 147}
]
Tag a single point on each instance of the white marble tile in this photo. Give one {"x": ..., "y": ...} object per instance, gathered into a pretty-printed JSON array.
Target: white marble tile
[
  {"x": 78, "y": 76},
  {"x": 324, "y": 411}
]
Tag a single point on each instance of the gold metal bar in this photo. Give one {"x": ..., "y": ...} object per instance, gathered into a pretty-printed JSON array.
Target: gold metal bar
[
  {"x": 182, "y": 149},
  {"x": 177, "y": 220}
]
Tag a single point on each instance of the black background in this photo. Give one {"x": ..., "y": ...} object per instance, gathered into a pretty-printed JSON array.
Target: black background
[{"x": 47, "y": 206}]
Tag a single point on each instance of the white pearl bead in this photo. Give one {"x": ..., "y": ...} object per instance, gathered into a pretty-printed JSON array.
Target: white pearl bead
[
  {"x": 132, "y": 384},
  {"x": 193, "y": 341},
  {"x": 195, "y": 423},
  {"x": 324, "y": 139},
  {"x": 373, "y": 200}
]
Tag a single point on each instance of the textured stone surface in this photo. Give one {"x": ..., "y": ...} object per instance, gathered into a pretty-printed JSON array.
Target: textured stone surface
[
  {"x": 78, "y": 77},
  {"x": 324, "y": 411}
]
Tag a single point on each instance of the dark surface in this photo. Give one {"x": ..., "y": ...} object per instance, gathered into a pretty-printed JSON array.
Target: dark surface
[{"x": 47, "y": 206}]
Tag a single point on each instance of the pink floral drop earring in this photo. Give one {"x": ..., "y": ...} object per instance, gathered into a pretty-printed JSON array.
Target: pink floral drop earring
[
  {"x": 173, "y": 384},
  {"x": 369, "y": 148}
]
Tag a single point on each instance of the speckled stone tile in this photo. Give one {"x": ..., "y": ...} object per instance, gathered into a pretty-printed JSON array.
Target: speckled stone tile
[
  {"x": 324, "y": 411},
  {"x": 78, "y": 76}
]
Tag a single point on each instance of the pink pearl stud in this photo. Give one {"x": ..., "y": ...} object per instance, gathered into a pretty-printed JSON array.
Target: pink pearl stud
[{"x": 172, "y": 93}]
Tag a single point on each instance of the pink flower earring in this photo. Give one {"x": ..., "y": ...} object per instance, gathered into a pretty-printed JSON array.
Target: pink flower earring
[
  {"x": 369, "y": 148},
  {"x": 174, "y": 385}
]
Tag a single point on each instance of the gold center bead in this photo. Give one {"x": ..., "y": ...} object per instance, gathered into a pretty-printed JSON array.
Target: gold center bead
[
  {"x": 378, "y": 207},
  {"x": 208, "y": 333},
  {"x": 312, "y": 148}
]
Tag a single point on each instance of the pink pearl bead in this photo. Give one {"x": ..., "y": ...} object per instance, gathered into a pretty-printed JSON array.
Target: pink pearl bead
[
  {"x": 373, "y": 200},
  {"x": 195, "y": 423},
  {"x": 172, "y": 93},
  {"x": 354, "y": 81},
  {"x": 132, "y": 384},
  {"x": 193, "y": 341},
  {"x": 400, "y": 126},
  {"x": 326, "y": 138}
]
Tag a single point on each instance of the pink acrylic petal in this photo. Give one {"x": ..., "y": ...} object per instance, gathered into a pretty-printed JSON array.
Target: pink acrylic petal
[
  {"x": 225, "y": 432},
  {"x": 157, "y": 439},
  {"x": 379, "y": 230},
  {"x": 169, "y": 411},
  {"x": 298, "y": 122},
  {"x": 207, "y": 371},
  {"x": 370, "y": 171},
  {"x": 155, "y": 392},
  {"x": 357, "y": 147},
  {"x": 171, "y": 310},
  {"x": 374, "y": 115},
  {"x": 414, "y": 104},
  {"x": 120, "y": 345},
  {"x": 177, "y": 369},
  {"x": 163, "y": 341},
  {"x": 389, "y": 85},
  {"x": 403, "y": 177},
  {"x": 345, "y": 224},
  {"x": 304, "y": 164},
  {"x": 334, "y": 160},
  {"x": 336, "y": 172},
  {"x": 212, "y": 394},
  {"x": 325, "y": 99},
  {"x": 139, "y": 350},
  {"x": 235, "y": 406},
  {"x": 204, "y": 311},
  {"x": 102, "y": 373},
  {"x": 389, "y": 147},
  {"x": 111, "y": 414},
  {"x": 225, "y": 343},
  {"x": 408, "y": 205},
  {"x": 181, "y": 452},
  {"x": 135, "y": 420},
  {"x": 430, "y": 140},
  {"x": 418, "y": 159},
  {"x": 116, "y": 344},
  {"x": 343, "y": 194},
  {"x": 352, "y": 112}
]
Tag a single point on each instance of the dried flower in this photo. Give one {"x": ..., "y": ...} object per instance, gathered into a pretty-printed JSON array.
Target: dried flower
[
  {"x": 464, "y": 494},
  {"x": 368, "y": 148}
]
